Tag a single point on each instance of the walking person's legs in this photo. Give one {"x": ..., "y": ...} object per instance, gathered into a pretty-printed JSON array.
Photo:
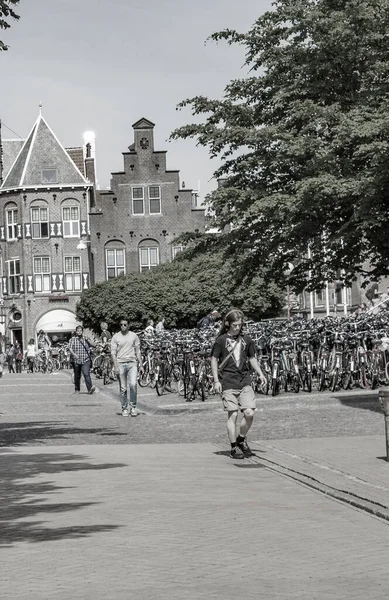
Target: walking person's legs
[
  {"x": 247, "y": 404},
  {"x": 77, "y": 377},
  {"x": 123, "y": 374},
  {"x": 85, "y": 369},
  {"x": 30, "y": 364},
  {"x": 133, "y": 382},
  {"x": 18, "y": 364}
]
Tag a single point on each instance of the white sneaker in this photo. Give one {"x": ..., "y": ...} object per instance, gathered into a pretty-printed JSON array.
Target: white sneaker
[
  {"x": 124, "y": 412},
  {"x": 133, "y": 412}
]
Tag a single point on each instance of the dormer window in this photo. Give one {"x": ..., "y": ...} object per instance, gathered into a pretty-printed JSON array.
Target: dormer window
[{"x": 49, "y": 175}]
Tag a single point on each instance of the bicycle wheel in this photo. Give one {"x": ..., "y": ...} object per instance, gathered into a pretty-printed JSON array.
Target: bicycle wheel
[
  {"x": 56, "y": 365},
  {"x": 322, "y": 381},
  {"x": 160, "y": 380},
  {"x": 49, "y": 366},
  {"x": 295, "y": 384},
  {"x": 98, "y": 366},
  {"x": 334, "y": 380},
  {"x": 144, "y": 378},
  {"x": 275, "y": 386},
  {"x": 308, "y": 381}
]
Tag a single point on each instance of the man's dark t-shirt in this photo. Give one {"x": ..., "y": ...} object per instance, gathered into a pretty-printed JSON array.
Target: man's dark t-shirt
[{"x": 235, "y": 373}]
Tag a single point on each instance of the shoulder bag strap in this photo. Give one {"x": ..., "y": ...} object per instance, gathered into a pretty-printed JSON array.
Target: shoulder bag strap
[{"x": 224, "y": 361}]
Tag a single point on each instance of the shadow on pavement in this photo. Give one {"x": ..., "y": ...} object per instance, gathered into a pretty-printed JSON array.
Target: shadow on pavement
[
  {"x": 369, "y": 402},
  {"x": 16, "y": 434},
  {"x": 22, "y": 497}
]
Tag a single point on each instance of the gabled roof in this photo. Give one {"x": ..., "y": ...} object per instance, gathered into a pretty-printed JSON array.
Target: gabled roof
[
  {"x": 11, "y": 149},
  {"x": 42, "y": 150},
  {"x": 143, "y": 124}
]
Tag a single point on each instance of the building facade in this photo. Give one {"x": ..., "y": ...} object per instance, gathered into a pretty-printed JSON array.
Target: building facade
[
  {"x": 45, "y": 197},
  {"x": 134, "y": 223}
]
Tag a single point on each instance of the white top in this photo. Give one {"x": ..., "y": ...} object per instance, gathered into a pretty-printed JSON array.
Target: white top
[{"x": 123, "y": 346}]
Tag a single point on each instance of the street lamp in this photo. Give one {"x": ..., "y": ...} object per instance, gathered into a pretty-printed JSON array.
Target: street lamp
[
  {"x": 287, "y": 273},
  {"x": 83, "y": 244}
]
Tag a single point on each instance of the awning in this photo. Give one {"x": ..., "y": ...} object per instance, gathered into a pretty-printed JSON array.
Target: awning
[{"x": 57, "y": 320}]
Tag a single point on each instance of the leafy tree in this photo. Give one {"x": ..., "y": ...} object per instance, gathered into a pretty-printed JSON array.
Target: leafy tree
[
  {"x": 304, "y": 143},
  {"x": 181, "y": 291},
  {"x": 6, "y": 12}
]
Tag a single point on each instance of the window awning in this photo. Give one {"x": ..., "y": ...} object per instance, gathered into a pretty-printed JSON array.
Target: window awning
[{"x": 57, "y": 320}]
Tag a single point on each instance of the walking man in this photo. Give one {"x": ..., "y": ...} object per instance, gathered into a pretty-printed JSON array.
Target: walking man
[
  {"x": 126, "y": 356},
  {"x": 231, "y": 355},
  {"x": 79, "y": 347}
]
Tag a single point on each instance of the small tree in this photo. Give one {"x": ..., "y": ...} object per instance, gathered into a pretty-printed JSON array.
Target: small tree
[{"x": 7, "y": 12}]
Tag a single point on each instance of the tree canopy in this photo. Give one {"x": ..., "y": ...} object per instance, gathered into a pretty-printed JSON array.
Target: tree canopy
[
  {"x": 7, "y": 12},
  {"x": 304, "y": 143},
  {"x": 181, "y": 291}
]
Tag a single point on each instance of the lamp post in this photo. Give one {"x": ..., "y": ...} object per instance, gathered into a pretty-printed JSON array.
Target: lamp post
[
  {"x": 287, "y": 273},
  {"x": 3, "y": 317}
]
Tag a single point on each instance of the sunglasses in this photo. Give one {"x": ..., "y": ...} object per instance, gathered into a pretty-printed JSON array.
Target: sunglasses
[{"x": 123, "y": 324}]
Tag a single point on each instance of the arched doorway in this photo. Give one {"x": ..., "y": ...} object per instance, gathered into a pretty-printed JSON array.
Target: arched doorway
[{"x": 59, "y": 323}]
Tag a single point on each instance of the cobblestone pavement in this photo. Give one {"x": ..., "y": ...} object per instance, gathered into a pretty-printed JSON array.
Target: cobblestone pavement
[
  {"x": 96, "y": 506},
  {"x": 42, "y": 409}
]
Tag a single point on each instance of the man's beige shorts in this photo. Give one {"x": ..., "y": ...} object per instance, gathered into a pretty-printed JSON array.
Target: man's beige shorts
[{"x": 239, "y": 399}]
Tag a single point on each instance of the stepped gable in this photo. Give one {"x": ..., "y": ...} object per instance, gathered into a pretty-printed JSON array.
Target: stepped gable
[{"x": 42, "y": 150}]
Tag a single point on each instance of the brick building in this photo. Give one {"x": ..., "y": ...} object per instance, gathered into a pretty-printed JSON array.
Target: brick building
[
  {"x": 45, "y": 197},
  {"x": 133, "y": 224}
]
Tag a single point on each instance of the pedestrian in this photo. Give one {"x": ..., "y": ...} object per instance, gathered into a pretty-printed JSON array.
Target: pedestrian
[
  {"x": 209, "y": 320},
  {"x": 160, "y": 326},
  {"x": 2, "y": 354},
  {"x": 44, "y": 342},
  {"x": 79, "y": 347},
  {"x": 105, "y": 336},
  {"x": 232, "y": 355},
  {"x": 31, "y": 353},
  {"x": 126, "y": 356},
  {"x": 149, "y": 329},
  {"x": 10, "y": 357},
  {"x": 18, "y": 353}
]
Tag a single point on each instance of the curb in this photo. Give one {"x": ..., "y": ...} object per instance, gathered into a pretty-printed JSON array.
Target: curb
[{"x": 365, "y": 504}]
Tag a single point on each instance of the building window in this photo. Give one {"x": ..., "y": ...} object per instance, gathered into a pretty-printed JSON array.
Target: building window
[
  {"x": 12, "y": 223},
  {"x": 71, "y": 222},
  {"x": 49, "y": 176},
  {"x": 148, "y": 257},
  {"x": 39, "y": 223},
  {"x": 176, "y": 250},
  {"x": 319, "y": 298},
  {"x": 42, "y": 274},
  {"x": 115, "y": 262},
  {"x": 155, "y": 199},
  {"x": 14, "y": 276},
  {"x": 72, "y": 273},
  {"x": 138, "y": 201}
]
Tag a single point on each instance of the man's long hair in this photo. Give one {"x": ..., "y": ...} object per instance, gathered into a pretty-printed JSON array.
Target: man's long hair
[{"x": 234, "y": 314}]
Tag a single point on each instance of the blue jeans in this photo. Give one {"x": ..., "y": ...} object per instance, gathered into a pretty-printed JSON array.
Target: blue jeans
[
  {"x": 85, "y": 370},
  {"x": 128, "y": 375}
]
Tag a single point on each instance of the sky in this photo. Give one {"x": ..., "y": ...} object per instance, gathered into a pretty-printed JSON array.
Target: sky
[{"x": 101, "y": 66}]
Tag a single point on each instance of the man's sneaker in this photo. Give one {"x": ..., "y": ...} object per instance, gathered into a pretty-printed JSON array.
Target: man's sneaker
[
  {"x": 92, "y": 390},
  {"x": 236, "y": 453},
  {"x": 124, "y": 412},
  {"x": 133, "y": 412},
  {"x": 245, "y": 448}
]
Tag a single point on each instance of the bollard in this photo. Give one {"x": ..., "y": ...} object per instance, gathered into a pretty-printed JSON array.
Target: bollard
[{"x": 383, "y": 396}]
